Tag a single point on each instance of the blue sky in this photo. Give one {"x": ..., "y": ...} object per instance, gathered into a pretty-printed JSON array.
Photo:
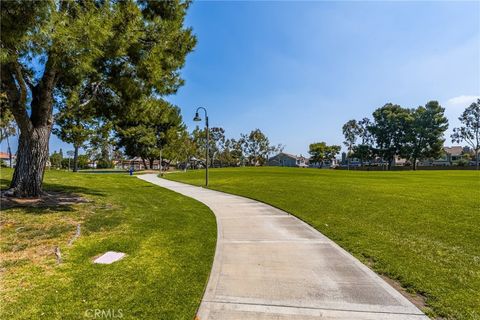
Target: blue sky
[{"x": 299, "y": 70}]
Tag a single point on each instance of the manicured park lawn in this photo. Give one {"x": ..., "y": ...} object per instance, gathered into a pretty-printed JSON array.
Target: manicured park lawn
[
  {"x": 169, "y": 241},
  {"x": 420, "y": 228}
]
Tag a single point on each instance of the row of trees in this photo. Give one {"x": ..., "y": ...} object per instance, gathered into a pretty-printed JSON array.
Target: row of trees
[
  {"x": 59, "y": 161},
  {"x": 146, "y": 139},
  {"x": 251, "y": 149},
  {"x": 105, "y": 67},
  {"x": 175, "y": 144},
  {"x": 411, "y": 133}
]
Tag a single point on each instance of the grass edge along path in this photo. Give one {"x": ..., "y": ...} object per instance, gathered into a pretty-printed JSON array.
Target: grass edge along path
[
  {"x": 169, "y": 240},
  {"x": 418, "y": 228}
]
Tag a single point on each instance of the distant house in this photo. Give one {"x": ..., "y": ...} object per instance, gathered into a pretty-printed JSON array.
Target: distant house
[
  {"x": 399, "y": 161},
  {"x": 453, "y": 154},
  {"x": 138, "y": 164},
  {"x": 450, "y": 156},
  {"x": 332, "y": 163},
  {"x": 353, "y": 162},
  {"x": 5, "y": 157},
  {"x": 288, "y": 160}
]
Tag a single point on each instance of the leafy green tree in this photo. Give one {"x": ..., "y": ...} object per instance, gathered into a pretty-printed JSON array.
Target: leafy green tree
[
  {"x": 225, "y": 156},
  {"x": 256, "y": 147},
  {"x": 199, "y": 139},
  {"x": 149, "y": 130},
  {"x": 215, "y": 142},
  {"x": 350, "y": 131},
  {"x": 7, "y": 130},
  {"x": 75, "y": 120},
  {"x": 389, "y": 130},
  {"x": 470, "y": 131},
  {"x": 127, "y": 49},
  {"x": 237, "y": 153},
  {"x": 56, "y": 159},
  {"x": 180, "y": 148},
  {"x": 424, "y": 133},
  {"x": 358, "y": 130},
  {"x": 321, "y": 152},
  {"x": 232, "y": 154},
  {"x": 83, "y": 161},
  {"x": 101, "y": 145},
  {"x": 364, "y": 151},
  {"x": 364, "y": 132},
  {"x": 217, "y": 137}
]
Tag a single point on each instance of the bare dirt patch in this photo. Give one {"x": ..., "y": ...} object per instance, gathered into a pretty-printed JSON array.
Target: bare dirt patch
[
  {"x": 419, "y": 300},
  {"x": 50, "y": 199}
]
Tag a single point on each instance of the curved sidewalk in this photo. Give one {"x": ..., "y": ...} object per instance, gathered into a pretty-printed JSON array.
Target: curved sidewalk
[{"x": 270, "y": 265}]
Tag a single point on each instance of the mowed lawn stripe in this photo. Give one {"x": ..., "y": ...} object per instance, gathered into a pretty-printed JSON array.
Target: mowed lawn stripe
[
  {"x": 421, "y": 228},
  {"x": 169, "y": 240}
]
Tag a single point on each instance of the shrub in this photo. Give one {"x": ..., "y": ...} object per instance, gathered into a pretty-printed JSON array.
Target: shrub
[
  {"x": 462, "y": 163},
  {"x": 104, "y": 164}
]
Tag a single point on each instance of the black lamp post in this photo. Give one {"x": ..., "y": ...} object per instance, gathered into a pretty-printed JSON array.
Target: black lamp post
[{"x": 197, "y": 118}]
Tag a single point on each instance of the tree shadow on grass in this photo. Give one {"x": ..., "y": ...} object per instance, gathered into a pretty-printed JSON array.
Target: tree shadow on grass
[
  {"x": 53, "y": 187},
  {"x": 57, "y": 197}
]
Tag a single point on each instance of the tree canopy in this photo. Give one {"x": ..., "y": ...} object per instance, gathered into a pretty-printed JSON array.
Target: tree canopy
[
  {"x": 389, "y": 130},
  {"x": 470, "y": 129},
  {"x": 321, "y": 152},
  {"x": 120, "y": 52},
  {"x": 414, "y": 134},
  {"x": 424, "y": 132},
  {"x": 148, "y": 129}
]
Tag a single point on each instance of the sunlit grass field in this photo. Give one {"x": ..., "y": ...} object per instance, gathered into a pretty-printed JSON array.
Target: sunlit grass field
[
  {"x": 169, "y": 241},
  {"x": 420, "y": 228}
]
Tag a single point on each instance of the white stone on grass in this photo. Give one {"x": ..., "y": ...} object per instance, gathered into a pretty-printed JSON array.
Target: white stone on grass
[{"x": 109, "y": 257}]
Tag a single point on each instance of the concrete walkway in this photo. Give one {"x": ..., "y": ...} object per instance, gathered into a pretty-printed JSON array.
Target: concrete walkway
[{"x": 270, "y": 265}]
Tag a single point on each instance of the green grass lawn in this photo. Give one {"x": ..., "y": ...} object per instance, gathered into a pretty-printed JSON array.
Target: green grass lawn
[
  {"x": 420, "y": 228},
  {"x": 169, "y": 241}
]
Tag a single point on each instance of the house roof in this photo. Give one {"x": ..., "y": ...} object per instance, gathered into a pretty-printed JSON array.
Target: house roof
[
  {"x": 5, "y": 155},
  {"x": 454, "y": 151},
  {"x": 290, "y": 156},
  {"x": 298, "y": 159}
]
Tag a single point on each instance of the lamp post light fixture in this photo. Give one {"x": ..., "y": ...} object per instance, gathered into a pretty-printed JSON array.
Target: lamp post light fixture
[{"x": 197, "y": 118}]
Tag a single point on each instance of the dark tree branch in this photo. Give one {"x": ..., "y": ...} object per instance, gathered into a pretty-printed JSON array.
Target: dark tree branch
[
  {"x": 94, "y": 94},
  {"x": 11, "y": 75},
  {"x": 21, "y": 82},
  {"x": 42, "y": 96},
  {"x": 30, "y": 84}
]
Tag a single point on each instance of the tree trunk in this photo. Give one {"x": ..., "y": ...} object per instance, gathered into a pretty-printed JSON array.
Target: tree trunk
[
  {"x": 414, "y": 164},
  {"x": 476, "y": 158},
  {"x": 144, "y": 164},
  {"x": 151, "y": 163},
  {"x": 75, "y": 158},
  {"x": 32, "y": 156},
  {"x": 35, "y": 124},
  {"x": 390, "y": 162},
  {"x": 9, "y": 152}
]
